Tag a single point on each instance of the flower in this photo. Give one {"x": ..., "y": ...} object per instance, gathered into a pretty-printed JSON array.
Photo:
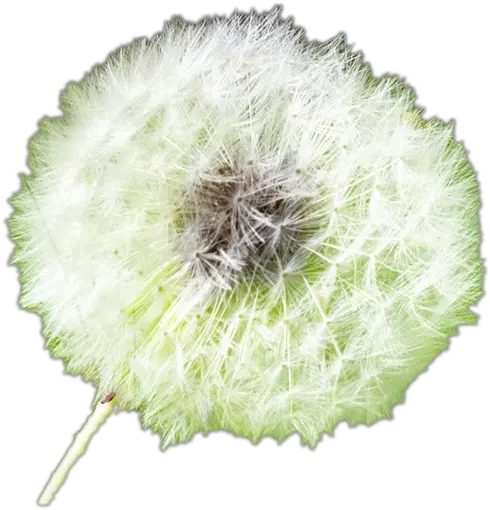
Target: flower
[{"x": 233, "y": 228}]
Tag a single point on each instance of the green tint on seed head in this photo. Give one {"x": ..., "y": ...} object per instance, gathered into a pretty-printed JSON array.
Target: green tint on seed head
[{"x": 232, "y": 228}]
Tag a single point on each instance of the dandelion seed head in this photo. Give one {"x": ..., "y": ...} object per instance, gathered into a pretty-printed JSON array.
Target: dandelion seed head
[{"x": 234, "y": 228}]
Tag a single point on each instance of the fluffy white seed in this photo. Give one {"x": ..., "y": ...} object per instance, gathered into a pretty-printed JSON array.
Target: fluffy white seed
[{"x": 233, "y": 228}]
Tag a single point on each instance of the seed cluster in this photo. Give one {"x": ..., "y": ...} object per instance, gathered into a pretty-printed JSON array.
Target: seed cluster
[{"x": 240, "y": 221}]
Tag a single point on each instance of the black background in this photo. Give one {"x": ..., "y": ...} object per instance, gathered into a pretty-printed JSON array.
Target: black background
[{"x": 441, "y": 57}]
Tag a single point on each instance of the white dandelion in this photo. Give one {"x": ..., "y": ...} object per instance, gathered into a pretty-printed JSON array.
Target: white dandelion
[{"x": 232, "y": 228}]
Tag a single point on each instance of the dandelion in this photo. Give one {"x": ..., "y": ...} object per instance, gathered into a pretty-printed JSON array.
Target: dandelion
[{"x": 232, "y": 228}]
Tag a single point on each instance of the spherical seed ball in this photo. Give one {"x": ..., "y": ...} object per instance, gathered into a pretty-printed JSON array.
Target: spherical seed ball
[{"x": 233, "y": 228}]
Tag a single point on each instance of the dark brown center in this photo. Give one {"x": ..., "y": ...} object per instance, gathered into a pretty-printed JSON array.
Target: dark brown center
[{"x": 240, "y": 221}]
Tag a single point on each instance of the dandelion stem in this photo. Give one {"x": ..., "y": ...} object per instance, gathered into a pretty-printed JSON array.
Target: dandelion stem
[{"x": 77, "y": 448}]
